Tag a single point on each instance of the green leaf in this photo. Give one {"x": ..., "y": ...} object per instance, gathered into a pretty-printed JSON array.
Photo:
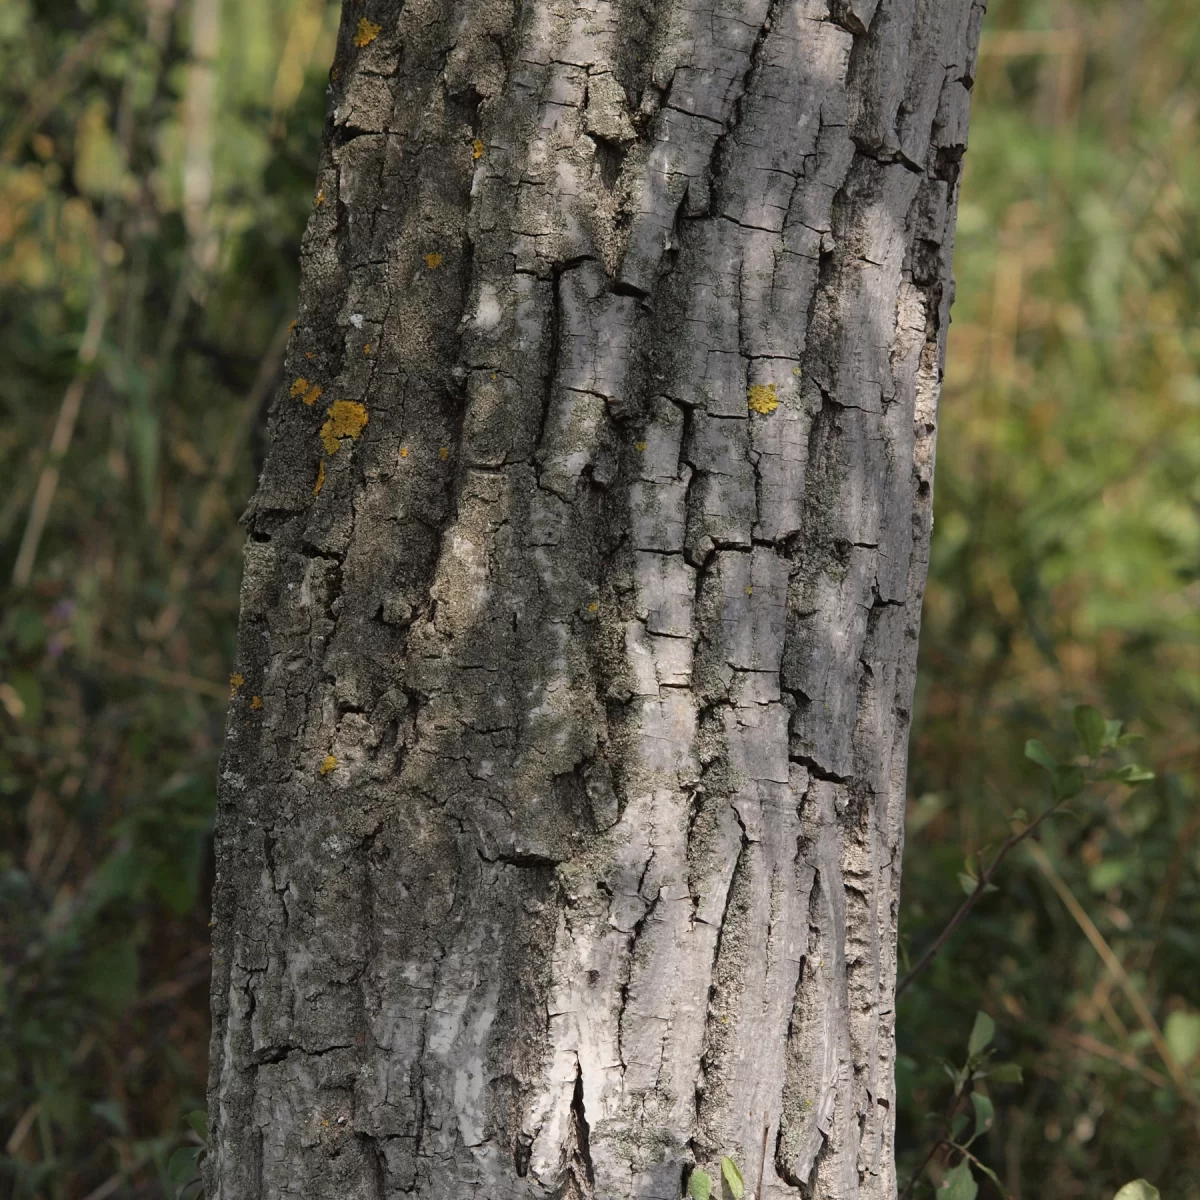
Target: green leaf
[
  {"x": 1006, "y": 1073},
  {"x": 982, "y": 1033},
  {"x": 968, "y": 883},
  {"x": 1107, "y": 873},
  {"x": 1036, "y": 752},
  {"x": 1112, "y": 734},
  {"x": 29, "y": 689},
  {"x": 985, "y": 1112},
  {"x": 991, "y": 1175},
  {"x": 733, "y": 1177},
  {"x": 198, "y": 1120},
  {"x": 1138, "y": 1189},
  {"x": 1067, "y": 782},
  {"x": 181, "y": 1170},
  {"x": 1091, "y": 728},
  {"x": 1182, "y": 1031},
  {"x": 1132, "y": 773},
  {"x": 28, "y": 630},
  {"x": 111, "y": 975},
  {"x": 111, "y": 1111},
  {"x": 700, "y": 1184},
  {"x": 958, "y": 1183}
]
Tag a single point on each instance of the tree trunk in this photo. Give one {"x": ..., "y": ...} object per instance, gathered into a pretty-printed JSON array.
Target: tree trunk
[{"x": 563, "y": 796}]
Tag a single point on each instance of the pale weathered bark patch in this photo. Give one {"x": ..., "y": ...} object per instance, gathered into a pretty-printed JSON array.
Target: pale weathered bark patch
[{"x": 563, "y": 852}]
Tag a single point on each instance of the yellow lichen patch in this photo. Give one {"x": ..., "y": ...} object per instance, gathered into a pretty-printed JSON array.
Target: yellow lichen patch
[
  {"x": 366, "y": 32},
  {"x": 320, "y": 478},
  {"x": 346, "y": 419},
  {"x": 640, "y": 447},
  {"x": 256, "y": 702},
  {"x": 433, "y": 260},
  {"x": 328, "y": 764},
  {"x": 367, "y": 348},
  {"x": 796, "y": 371},
  {"x": 762, "y": 398},
  {"x": 477, "y": 148},
  {"x": 320, "y": 199},
  {"x": 749, "y": 590},
  {"x": 310, "y": 393},
  {"x": 403, "y": 451},
  {"x": 292, "y": 326},
  {"x": 444, "y": 453},
  {"x": 235, "y": 684},
  {"x": 310, "y": 354},
  {"x": 594, "y": 606}
]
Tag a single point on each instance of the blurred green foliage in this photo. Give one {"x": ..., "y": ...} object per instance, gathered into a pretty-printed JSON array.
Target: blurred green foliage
[
  {"x": 141, "y": 192},
  {"x": 161, "y": 207},
  {"x": 1066, "y": 569}
]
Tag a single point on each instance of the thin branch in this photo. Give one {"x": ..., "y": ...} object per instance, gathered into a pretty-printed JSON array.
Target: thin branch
[
  {"x": 60, "y": 439},
  {"x": 50, "y": 91},
  {"x": 965, "y": 908},
  {"x": 1117, "y": 968},
  {"x": 916, "y": 1175},
  {"x": 161, "y": 675}
]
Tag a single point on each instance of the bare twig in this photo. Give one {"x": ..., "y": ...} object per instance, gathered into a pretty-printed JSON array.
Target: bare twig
[
  {"x": 1091, "y": 1045},
  {"x": 965, "y": 908},
  {"x": 50, "y": 91},
  {"x": 175, "y": 679},
  {"x": 1115, "y": 966},
  {"x": 238, "y": 432},
  {"x": 89, "y": 347},
  {"x": 21, "y": 1129},
  {"x": 912, "y": 1182},
  {"x": 60, "y": 439}
]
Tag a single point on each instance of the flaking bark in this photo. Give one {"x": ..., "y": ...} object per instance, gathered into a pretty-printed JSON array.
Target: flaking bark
[{"x": 562, "y": 804}]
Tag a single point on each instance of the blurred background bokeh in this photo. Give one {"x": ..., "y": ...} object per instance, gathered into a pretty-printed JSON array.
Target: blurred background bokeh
[{"x": 156, "y": 169}]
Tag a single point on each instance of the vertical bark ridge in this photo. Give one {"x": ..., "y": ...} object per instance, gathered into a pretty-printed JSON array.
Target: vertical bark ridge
[{"x": 560, "y": 853}]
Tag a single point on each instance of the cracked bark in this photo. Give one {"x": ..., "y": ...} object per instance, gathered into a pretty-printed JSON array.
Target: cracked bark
[{"x": 562, "y": 805}]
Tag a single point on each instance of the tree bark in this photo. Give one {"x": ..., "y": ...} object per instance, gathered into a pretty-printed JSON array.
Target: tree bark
[{"x": 562, "y": 802}]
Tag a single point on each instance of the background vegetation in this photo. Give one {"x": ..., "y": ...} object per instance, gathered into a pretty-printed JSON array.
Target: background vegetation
[{"x": 156, "y": 166}]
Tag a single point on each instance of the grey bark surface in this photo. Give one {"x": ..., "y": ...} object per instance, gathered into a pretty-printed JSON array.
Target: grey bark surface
[{"x": 561, "y": 809}]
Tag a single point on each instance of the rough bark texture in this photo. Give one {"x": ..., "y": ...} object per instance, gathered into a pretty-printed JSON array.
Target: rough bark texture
[{"x": 562, "y": 804}]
